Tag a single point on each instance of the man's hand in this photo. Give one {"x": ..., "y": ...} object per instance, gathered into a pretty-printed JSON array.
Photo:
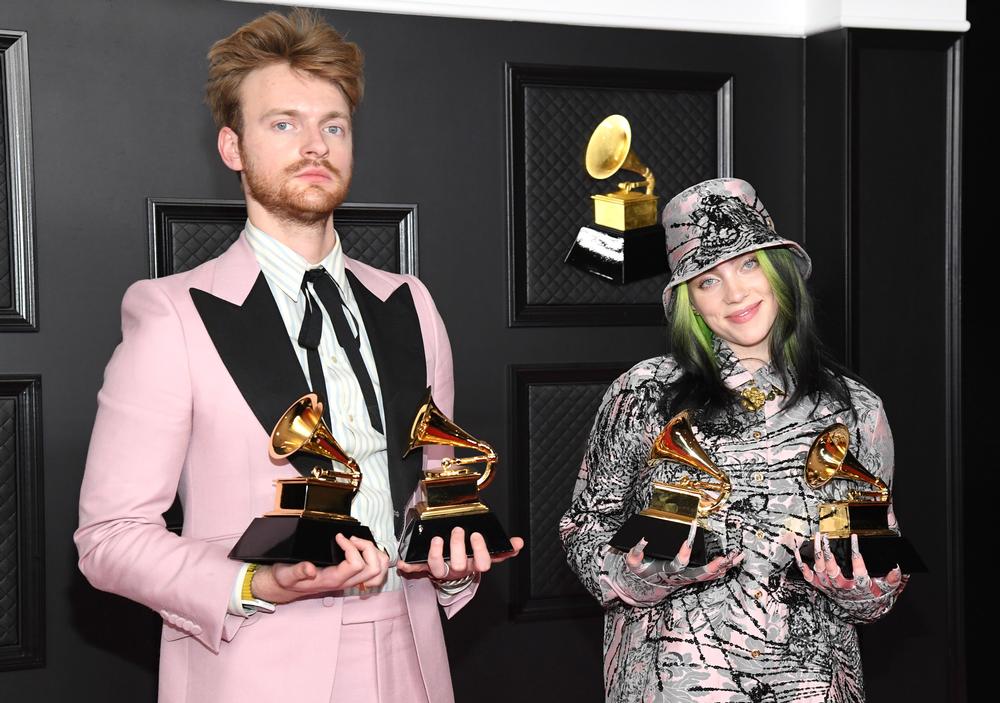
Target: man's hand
[
  {"x": 364, "y": 564},
  {"x": 459, "y": 565}
]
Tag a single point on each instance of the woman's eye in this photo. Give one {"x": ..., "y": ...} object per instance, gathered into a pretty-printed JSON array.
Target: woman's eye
[
  {"x": 750, "y": 263},
  {"x": 707, "y": 282}
]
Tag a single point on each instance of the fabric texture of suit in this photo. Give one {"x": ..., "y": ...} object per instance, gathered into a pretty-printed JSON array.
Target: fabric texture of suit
[{"x": 203, "y": 371}]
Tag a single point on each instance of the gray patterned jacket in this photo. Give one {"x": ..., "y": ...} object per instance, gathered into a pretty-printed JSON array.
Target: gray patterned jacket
[{"x": 754, "y": 634}]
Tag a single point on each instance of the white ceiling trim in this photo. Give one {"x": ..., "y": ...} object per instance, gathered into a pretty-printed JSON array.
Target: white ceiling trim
[{"x": 785, "y": 18}]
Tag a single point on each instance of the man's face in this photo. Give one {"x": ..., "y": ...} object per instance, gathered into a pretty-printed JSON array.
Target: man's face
[{"x": 295, "y": 149}]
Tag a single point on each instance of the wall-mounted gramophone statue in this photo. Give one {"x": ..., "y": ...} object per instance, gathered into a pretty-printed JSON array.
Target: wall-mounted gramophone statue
[
  {"x": 309, "y": 511},
  {"x": 674, "y": 507},
  {"x": 450, "y": 495},
  {"x": 626, "y": 241},
  {"x": 864, "y": 513}
]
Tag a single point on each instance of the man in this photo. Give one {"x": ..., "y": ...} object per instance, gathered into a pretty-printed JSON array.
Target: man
[{"x": 210, "y": 359}]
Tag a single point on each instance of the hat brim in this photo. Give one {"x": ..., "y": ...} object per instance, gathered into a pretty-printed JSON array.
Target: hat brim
[{"x": 802, "y": 261}]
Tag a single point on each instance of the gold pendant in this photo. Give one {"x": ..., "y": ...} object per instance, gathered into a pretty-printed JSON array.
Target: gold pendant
[{"x": 752, "y": 399}]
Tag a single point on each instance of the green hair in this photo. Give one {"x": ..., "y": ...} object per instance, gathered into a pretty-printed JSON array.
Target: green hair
[{"x": 796, "y": 352}]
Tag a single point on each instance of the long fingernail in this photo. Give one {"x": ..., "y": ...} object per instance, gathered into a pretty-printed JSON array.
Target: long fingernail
[
  {"x": 692, "y": 532},
  {"x": 855, "y": 550}
]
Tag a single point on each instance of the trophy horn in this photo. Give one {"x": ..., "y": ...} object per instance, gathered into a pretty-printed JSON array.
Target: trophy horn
[
  {"x": 678, "y": 443},
  {"x": 610, "y": 149},
  {"x": 433, "y": 427},
  {"x": 830, "y": 457},
  {"x": 301, "y": 428}
]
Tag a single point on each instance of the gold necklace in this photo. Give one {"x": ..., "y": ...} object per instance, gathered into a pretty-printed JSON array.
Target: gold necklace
[{"x": 753, "y": 398}]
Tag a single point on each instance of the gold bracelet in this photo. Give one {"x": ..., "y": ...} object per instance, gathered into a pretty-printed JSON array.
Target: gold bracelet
[{"x": 246, "y": 593}]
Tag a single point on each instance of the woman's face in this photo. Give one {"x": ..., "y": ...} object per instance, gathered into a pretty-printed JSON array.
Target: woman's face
[{"x": 737, "y": 304}]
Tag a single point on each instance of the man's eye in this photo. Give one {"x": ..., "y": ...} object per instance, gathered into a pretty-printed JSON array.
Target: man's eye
[
  {"x": 335, "y": 129},
  {"x": 282, "y": 126}
]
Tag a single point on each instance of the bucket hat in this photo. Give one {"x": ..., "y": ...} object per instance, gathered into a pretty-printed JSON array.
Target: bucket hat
[{"x": 714, "y": 221}]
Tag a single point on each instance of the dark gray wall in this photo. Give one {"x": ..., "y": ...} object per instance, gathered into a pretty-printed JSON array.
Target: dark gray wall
[{"x": 118, "y": 117}]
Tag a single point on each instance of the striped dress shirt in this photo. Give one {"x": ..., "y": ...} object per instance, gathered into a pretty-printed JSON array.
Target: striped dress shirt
[{"x": 283, "y": 270}]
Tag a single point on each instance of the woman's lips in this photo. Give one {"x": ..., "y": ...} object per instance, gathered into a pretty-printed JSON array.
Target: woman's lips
[{"x": 744, "y": 315}]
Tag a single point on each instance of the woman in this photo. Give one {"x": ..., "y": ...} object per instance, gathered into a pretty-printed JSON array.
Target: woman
[{"x": 746, "y": 362}]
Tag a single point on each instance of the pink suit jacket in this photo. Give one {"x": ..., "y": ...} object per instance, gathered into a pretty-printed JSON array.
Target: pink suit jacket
[{"x": 171, "y": 418}]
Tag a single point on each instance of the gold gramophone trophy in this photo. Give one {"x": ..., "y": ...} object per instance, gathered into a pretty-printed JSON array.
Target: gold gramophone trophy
[
  {"x": 309, "y": 511},
  {"x": 450, "y": 495},
  {"x": 674, "y": 507},
  {"x": 626, "y": 242},
  {"x": 864, "y": 513}
]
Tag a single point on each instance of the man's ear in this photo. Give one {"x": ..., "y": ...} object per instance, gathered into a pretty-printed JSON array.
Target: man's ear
[{"x": 229, "y": 149}]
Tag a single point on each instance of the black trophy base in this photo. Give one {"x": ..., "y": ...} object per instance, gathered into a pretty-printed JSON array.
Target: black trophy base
[
  {"x": 288, "y": 539},
  {"x": 619, "y": 257},
  {"x": 663, "y": 538},
  {"x": 418, "y": 532},
  {"x": 881, "y": 555}
]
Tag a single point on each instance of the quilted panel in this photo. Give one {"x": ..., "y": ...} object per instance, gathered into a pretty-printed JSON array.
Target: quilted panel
[
  {"x": 673, "y": 132},
  {"x": 376, "y": 244},
  {"x": 6, "y": 294},
  {"x": 9, "y": 603},
  {"x": 559, "y": 421},
  {"x": 195, "y": 242}
]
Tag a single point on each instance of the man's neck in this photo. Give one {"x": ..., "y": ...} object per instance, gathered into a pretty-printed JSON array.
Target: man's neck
[{"x": 313, "y": 242}]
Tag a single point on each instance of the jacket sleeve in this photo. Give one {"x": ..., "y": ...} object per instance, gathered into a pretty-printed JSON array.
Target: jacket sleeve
[
  {"x": 137, "y": 452},
  {"x": 877, "y": 453},
  {"x": 437, "y": 351},
  {"x": 611, "y": 468}
]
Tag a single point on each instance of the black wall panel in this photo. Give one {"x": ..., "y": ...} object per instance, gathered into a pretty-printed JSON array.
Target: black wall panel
[{"x": 118, "y": 117}]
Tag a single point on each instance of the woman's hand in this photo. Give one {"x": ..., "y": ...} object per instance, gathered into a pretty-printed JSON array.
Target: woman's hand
[
  {"x": 677, "y": 572},
  {"x": 825, "y": 574}
]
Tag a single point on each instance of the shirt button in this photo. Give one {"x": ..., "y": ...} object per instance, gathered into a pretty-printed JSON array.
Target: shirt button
[
  {"x": 758, "y": 594},
  {"x": 755, "y": 653},
  {"x": 756, "y": 434},
  {"x": 758, "y": 477},
  {"x": 328, "y": 602},
  {"x": 760, "y": 534},
  {"x": 350, "y": 419}
]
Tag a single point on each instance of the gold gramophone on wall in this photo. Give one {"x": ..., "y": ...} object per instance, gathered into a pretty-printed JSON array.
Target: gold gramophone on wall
[
  {"x": 450, "y": 494},
  {"x": 864, "y": 513},
  {"x": 625, "y": 243},
  {"x": 309, "y": 511},
  {"x": 674, "y": 507}
]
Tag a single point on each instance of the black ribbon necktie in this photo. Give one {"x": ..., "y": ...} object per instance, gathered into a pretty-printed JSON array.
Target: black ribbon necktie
[{"x": 312, "y": 330}]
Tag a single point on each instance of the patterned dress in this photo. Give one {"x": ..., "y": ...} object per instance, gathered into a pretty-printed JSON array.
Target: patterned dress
[{"x": 753, "y": 634}]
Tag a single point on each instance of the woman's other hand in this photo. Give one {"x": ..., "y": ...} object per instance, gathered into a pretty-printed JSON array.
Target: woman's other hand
[
  {"x": 676, "y": 572},
  {"x": 825, "y": 574}
]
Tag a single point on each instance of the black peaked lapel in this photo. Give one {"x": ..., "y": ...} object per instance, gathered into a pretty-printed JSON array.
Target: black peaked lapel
[
  {"x": 397, "y": 345},
  {"x": 253, "y": 343}
]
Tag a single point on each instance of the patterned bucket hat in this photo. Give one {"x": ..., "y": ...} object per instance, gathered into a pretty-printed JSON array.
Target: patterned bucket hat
[{"x": 714, "y": 221}]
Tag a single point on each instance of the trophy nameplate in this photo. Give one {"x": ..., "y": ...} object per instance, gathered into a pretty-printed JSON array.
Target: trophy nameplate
[
  {"x": 450, "y": 495},
  {"x": 309, "y": 511},
  {"x": 673, "y": 507},
  {"x": 865, "y": 513},
  {"x": 626, "y": 241}
]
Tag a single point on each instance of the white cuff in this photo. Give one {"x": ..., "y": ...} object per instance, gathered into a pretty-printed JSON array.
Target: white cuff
[{"x": 245, "y": 608}]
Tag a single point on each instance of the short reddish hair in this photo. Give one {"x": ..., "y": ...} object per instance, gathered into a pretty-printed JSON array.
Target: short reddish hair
[{"x": 302, "y": 39}]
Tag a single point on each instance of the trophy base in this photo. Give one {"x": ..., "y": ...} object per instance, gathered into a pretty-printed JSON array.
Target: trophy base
[
  {"x": 663, "y": 538},
  {"x": 881, "y": 554},
  {"x": 291, "y": 539},
  {"x": 415, "y": 542},
  {"x": 619, "y": 257}
]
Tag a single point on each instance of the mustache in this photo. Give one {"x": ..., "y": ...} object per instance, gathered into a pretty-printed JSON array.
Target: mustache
[{"x": 312, "y": 163}]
